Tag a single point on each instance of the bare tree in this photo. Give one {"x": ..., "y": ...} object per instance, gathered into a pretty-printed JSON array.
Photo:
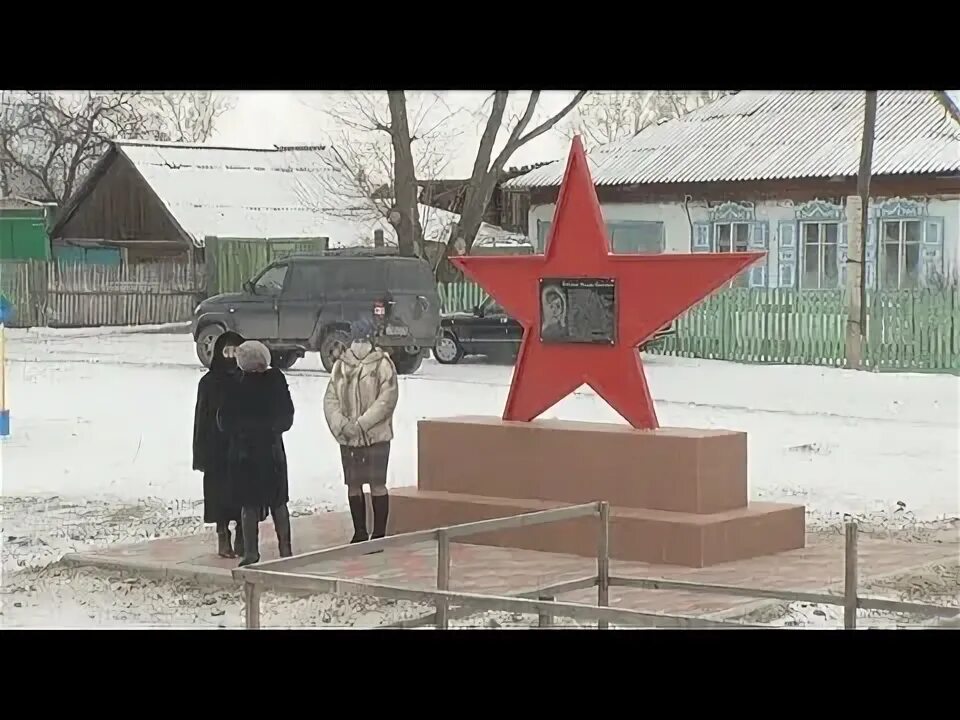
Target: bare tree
[
  {"x": 188, "y": 117},
  {"x": 383, "y": 146},
  {"x": 50, "y": 140},
  {"x": 607, "y": 117},
  {"x": 486, "y": 173},
  {"x": 390, "y": 142},
  {"x": 950, "y": 108},
  {"x": 404, "y": 216}
]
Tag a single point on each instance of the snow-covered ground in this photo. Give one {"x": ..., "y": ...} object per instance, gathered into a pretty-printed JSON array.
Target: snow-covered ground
[
  {"x": 102, "y": 420},
  {"x": 97, "y": 414}
]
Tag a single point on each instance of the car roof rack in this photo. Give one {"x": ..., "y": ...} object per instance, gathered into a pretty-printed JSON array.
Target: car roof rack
[{"x": 361, "y": 252}]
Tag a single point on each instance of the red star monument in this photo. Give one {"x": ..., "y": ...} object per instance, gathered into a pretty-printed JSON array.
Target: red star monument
[{"x": 643, "y": 293}]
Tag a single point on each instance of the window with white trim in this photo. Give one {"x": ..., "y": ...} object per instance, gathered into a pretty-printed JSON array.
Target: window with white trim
[
  {"x": 812, "y": 248},
  {"x": 637, "y": 236},
  {"x": 733, "y": 228},
  {"x": 900, "y": 252},
  {"x": 626, "y": 236},
  {"x": 819, "y": 248},
  {"x": 733, "y": 237}
]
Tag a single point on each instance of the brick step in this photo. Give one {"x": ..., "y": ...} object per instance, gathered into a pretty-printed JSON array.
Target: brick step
[{"x": 653, "y": 536}]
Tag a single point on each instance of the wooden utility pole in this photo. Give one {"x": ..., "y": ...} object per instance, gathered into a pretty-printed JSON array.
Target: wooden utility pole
[{"x": 857, "y": 233}]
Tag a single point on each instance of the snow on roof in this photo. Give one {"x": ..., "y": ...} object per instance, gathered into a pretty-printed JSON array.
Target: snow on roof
[
  {"x": 436, "y": 224},
  {"x": 755, "y": 135},
  {"x": 494, "y": 236},
  {"x": 250, "y": 192},
  {"x": 16, "y": 202},
  {"x": 278, "y": 192}
]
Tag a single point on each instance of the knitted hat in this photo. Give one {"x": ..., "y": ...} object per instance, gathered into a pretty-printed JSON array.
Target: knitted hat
[{"x": 253, "y": 356}]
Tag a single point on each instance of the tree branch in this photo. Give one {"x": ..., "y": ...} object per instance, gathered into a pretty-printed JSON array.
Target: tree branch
[
  {"x": 949, "y": 106},
  {"x": 54, "y": 138},
  {"x": 514, "y": 144},
  {"x": 481, "y": 162}
]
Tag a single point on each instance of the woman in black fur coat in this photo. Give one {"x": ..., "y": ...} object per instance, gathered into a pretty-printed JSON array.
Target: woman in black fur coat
[
  {"x": 254, "y": 417},
  {"x": 220, "y": 504}
]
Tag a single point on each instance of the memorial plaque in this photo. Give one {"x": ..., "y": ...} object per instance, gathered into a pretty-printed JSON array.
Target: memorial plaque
[
  {"x": 578, "y": 310},
  {"x": 572, "y": 296}
]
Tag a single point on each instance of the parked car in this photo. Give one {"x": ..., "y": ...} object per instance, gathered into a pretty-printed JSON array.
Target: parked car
[
  {"x": 305, "y": 303},
  {"x": 488, "y": 330}
]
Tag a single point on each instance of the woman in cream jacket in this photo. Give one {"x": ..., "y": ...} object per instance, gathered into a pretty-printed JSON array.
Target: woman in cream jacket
[{"x": 359, "y": 404}]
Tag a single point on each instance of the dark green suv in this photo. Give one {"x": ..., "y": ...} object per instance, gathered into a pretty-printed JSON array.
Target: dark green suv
[{"x": 305, "y": 303}]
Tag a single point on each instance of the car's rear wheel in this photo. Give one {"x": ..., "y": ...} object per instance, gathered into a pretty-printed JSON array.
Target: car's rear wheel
[
  {"x": 407, "y": 363},
  {"x": 284, "y": 360},
  {"x": 206, "y": 339},
  {"x": 331, "y": 346},
  {"x": 447, "y": 351}
]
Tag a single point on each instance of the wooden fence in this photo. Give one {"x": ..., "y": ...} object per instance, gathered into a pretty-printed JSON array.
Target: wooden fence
[
  {"x": 906, "y": 329},
  {"x": 461, "y": 296},
  {"x": 76, "y": 295},
  {"x": 232, "y": 261}
]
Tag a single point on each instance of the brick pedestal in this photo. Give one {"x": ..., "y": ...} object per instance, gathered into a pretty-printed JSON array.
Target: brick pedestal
[{"x": 677, "y": 495}]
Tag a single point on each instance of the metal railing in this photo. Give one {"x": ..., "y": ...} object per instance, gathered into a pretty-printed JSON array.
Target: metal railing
[
  {"x": 278, "y": 575},
  {"x": 850, "y": 600}
]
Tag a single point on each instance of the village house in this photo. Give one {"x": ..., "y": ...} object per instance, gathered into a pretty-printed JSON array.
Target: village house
[
  {"x": 150, "y": 201},
  {"x": 23, "y": 228},
  {"x": 155, "y": 226},
  {"x": 154, "y": 201},
  {"x": 772, "y": 171},
  {"x": 506, "y": 210}
]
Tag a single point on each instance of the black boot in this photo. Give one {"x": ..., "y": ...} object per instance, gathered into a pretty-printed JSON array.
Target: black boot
[
  {"x": 238, "y": 539},
  {"x": 250, "y": 522},
  {"x": 358, "y": 511},
  {"x": 381, "y": 511},
  {"x": 223, "y": 541},
  {"x": 281, "y": 521}
]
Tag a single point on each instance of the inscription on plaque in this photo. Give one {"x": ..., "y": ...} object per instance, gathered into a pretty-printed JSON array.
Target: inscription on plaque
[{"x": 578, "y": 310}]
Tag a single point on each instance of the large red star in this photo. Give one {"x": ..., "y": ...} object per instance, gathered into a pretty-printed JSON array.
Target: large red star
[{"x": 651, "y": 290}]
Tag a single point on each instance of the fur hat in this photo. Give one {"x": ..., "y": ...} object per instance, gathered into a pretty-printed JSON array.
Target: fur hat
[{"x": 253, "y": 356}]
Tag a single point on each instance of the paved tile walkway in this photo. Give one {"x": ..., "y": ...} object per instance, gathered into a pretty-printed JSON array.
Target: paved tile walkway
[{"x": 504, "y": 571}]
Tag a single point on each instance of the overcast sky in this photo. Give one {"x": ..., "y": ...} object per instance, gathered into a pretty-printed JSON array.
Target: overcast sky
[
  {"x": 266, "y": 118},
  {"x": 296, "y": 118}
]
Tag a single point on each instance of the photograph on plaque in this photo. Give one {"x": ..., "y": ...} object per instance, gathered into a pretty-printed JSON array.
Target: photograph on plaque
[{"x": 578, "y": 310}]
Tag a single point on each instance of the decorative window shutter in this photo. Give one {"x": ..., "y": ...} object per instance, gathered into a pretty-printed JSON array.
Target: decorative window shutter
[
  {"x": 758, "y": 241},
  {"x": 701, "y": 238},
  {"x": 842, "y": 246},
  {"x": 871, "y": 269},
  {"x": 787, "y": 254},
  {"x": 931, "y": 257}
]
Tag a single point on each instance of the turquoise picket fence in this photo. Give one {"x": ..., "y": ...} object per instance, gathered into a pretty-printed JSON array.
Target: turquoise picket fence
[
  {"x": 461, "y": 296},
  {"x": 906, "y": 329}
]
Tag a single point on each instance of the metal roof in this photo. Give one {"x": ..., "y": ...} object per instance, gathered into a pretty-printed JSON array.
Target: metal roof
[
  {"x": 279, "y": 192},
  {"x": 755, "y": 135},
  {"x": 250, "y": 192}
]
